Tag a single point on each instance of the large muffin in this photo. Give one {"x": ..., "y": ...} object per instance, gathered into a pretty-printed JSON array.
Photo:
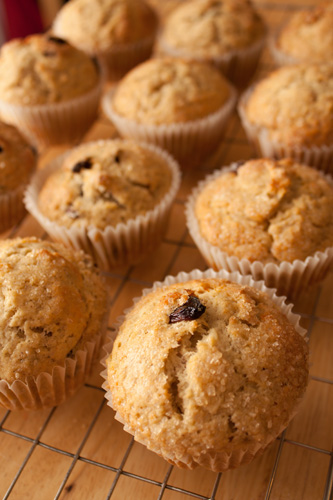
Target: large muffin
[
  {"x": 269, "y": 218},
  {"x": 48, "y": 89},
  {"x": 119, "y": 32},
  {"x": 206, "y": 372},
  {"x": 180, "y": 105},
  {"x": 104, "y": 183},
  {"x": 53, "y": 305},
  {"x": 227, "y": 32},
  {"x": 290, "y": 113},
  {"x": 307, "y": 36},
  {"x": 17, "y": 163},
  {"x": 111, "y": 198}
]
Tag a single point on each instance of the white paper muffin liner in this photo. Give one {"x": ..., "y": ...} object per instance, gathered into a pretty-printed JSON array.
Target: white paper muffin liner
[
  {"x": 51, "y": 389},
  {"x": 320, "y": 157},
  {"x": 288, "y": 278},
  {"x": 57, "y": 123},
  {"x": 238, "y": 65},
  {"x": 190, "y": 141},
  {"x": 230, "y": 458},
  {"x": 124, "y": 244}
]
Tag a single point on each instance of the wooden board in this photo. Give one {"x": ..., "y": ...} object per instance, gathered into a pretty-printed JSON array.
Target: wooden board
[{"x": 78, "y": 451}]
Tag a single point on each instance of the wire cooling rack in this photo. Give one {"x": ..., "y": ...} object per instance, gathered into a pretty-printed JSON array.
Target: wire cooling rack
[{"x": 78, "y": 451}]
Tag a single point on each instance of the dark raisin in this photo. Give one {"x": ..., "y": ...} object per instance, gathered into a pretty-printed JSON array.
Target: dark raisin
[
  {"x": 1, "y": 149},
  {"x": 82, "y": 164},
  {"x": 48, "y": 334},
  {"x": 192, "y": 309},
  {"x": 117, "y": 158},
  {"x": 56, "y": 39},
  {"x": 72, "y": 214}
]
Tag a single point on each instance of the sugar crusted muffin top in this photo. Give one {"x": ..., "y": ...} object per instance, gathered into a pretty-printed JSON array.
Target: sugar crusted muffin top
[
  {"x": 308, "y": 35},
  {"x": 103, "y": 24},
  {"x": 213, "y": 27},
  {"x": 165, "y": 91},
  {"x": 17, "y": 158},
  {"x": 295, "y": 105},
  {"x": 230, "y": 375},
  {"x": 104, "y": 183},
  {"x": 44, "y": 69},
  {"x": 270, "y": 211},
  {"x": 52, "y": 300}
]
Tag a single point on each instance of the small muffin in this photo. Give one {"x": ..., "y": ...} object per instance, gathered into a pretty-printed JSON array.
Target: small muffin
[
  {"x": 290, "y": 113},
  {"x": 266, "y": 211},
  {"x": 228, "y": 33},
  {"x": 108, "y": 188},
  {"x": 307, "y": 37},
  {"x": 53, "y": 315},
  {"x": 217, "y": 368},
  {"x": 48, "y": 88},
  {"x": 180, "y": 105},
  {"x": 120, "y": 33},
  {"x": 17, "y": 163}
]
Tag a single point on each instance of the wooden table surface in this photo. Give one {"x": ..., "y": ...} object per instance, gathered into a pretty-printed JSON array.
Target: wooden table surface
[{"x": 78, "y": 451}]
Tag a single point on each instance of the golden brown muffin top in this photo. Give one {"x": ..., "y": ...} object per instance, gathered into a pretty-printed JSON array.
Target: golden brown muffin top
[
  {"x": 206, "y": 366},
  {"x": 52, "y": 301},
  {"x": 17, "y": 158},
  {"x": 295, "y": 105},
  {"x": 308, "y": 35},
  {"x": 165, "y": 91},
  {"x": 44, "y": 69},
  {"x": 271, "y": 211},
  {"x": 104, "y": 183},
  {"x": 103, "y": 24},
  {"x": 213, "y": 27}
]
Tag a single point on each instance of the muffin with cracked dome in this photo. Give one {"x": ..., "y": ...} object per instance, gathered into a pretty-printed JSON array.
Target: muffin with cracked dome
[
  {"x": 290, "y": 114},
  {"x": 53, "y": 319},
  {"x": 180, "y": 105},
  {"x": 271, "y": 219},
  {"x": 112, "y": 198},
  {"x": 48, "y": 89},
  {"x": 120, "y": 33},
  {"x": 218, "y": 370},
  {"x": 307, "y": 37},
  {"x": 17, "y": 163},
  {"x": 227, "y": 33}
]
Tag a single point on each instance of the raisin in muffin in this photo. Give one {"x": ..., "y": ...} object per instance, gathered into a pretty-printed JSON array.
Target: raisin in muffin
[
  {"x": 17, "y": 163},
  {"x": 103, "y": 191},
  {"x": 290, "y": 113},
  {"x": 228, "y": 33},
  {"x": 53, "y": 314},
  {"x": 273, "y": 219},
  {"x": 307, "y": 37},
  {"x": 48, "y": 88},
  {"x": 120, "y": 33},
  {"x": 217, "y": 367},
  {"x": 180, "y": 105}
]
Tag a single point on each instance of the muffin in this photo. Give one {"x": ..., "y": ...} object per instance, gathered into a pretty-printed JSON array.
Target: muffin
[
  {"x": 120, "y": 33},
  {"x": 271, "y": 219},
  {"x": 307, "y": 37},
  {"x": 17, "y": 163},
  {"x": 53, "y": 318},
  {"x": 290, "y": 114},
  {"x": 180, "y": 105},
  {"x": 111, "y": 198},
  {"x": 218, "y": 369},
  {"x": 48, "y": 89},
  {"x": 228, "y": 33}
]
